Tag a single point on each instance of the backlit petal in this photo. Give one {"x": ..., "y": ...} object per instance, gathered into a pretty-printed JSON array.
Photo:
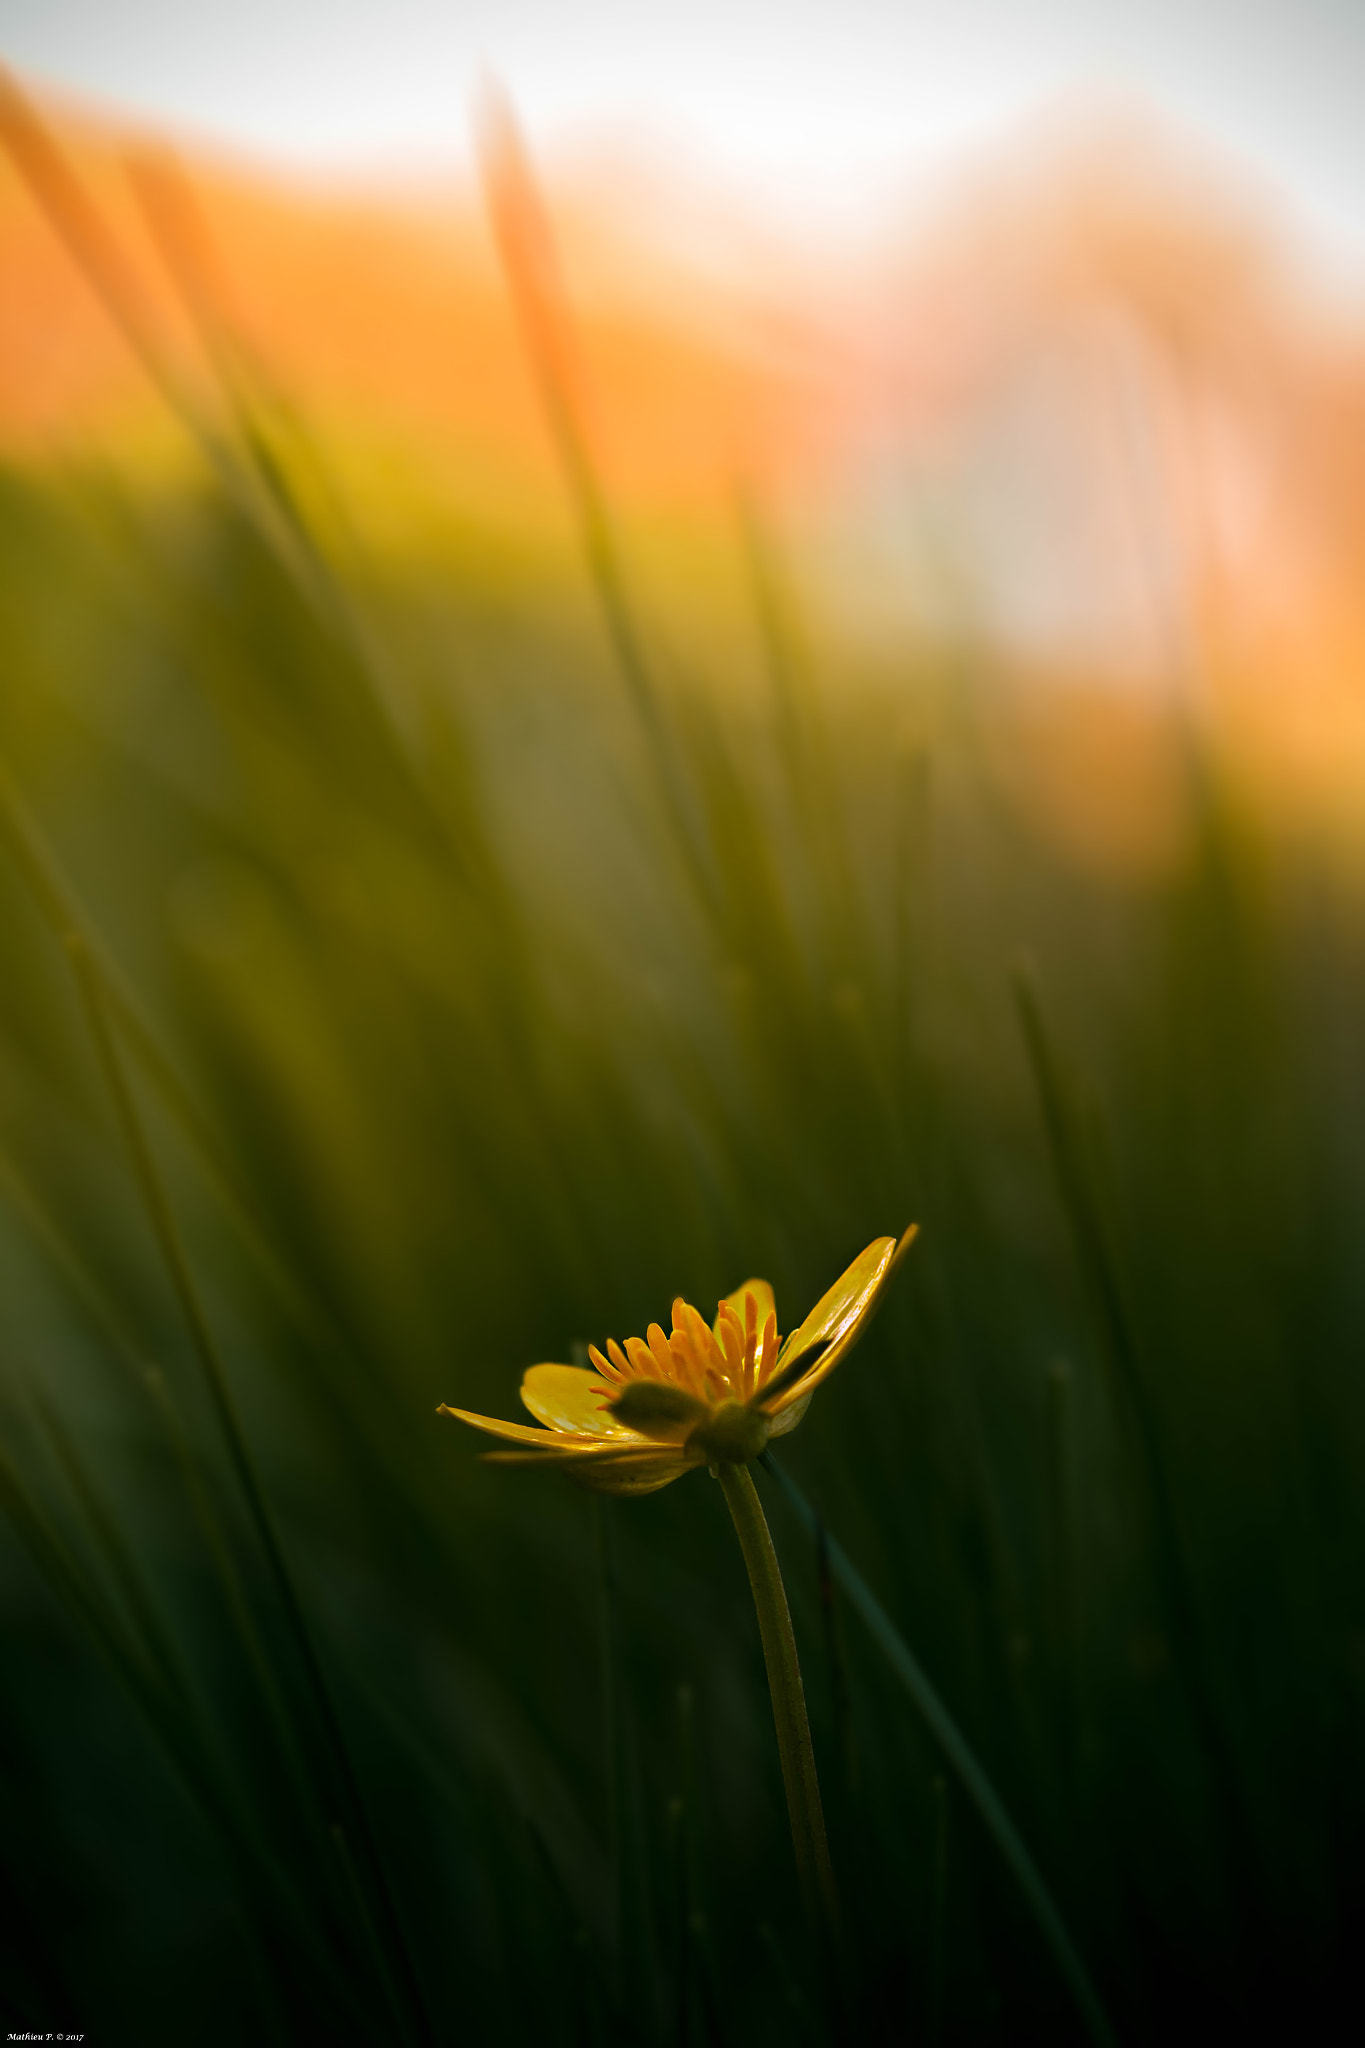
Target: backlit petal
[
  {"x": 566, "y": 1398},
  {"x": 782, "y": 1421},
  {"x": 516, "y": 1432},
  {"x": 605, "y": 1468},
  {"x": 834, "y": 1324}
]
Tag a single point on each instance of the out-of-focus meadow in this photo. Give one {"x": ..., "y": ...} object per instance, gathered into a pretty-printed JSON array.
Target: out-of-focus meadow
[{"x": 536, "y": 784}]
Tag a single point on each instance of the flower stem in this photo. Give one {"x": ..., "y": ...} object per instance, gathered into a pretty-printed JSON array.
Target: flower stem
[{"x": 788, "y": 1697}]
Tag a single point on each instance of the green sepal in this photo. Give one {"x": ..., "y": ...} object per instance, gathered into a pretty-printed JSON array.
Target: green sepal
[
  {"x": 656, "y": 1408},
  {"x": 732, "y": 1434}
]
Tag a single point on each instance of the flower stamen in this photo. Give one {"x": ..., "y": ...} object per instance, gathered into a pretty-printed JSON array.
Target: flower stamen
[
  {"x": 642, "y": 1365},
  {"x": 665, "y": 1365},
  {"x": 708, "y": 1360},
  {"x": 678, "y": 1348},
  {"x": 608, "y": 1370},
  {"x": 768, "y": 1354},
  {"x": 732, "y": 1342}
]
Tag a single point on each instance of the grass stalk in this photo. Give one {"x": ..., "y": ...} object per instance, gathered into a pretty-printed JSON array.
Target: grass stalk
[
  {"x": 525, "y": 244},
  {"x": 938, "y": 1913},
  {"x": 172, "y": 1719},
  {"x": 684, "y": 1903},
  {"x": 803, "y": 745},
  {"x": 377, "y": 1891},
  {"x": 1098, "y": 1259},
  {"x": 943, "y": 1731},
  {"x": 526, "y": 247},
  {"x": 151, "y": 1381},
  {"x": 1061, "y": 1562},
  {"x": 109, "y": 1542},
  {"x": 631, "y": 1895},
  {"x": 79, "y": 225},
  {"x": 244, "y": 467},
  {"x": 836, "y": 1665}
]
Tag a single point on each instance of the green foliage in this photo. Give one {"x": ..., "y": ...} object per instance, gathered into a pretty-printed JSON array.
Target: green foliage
[{"x": 389, "y": 1003}]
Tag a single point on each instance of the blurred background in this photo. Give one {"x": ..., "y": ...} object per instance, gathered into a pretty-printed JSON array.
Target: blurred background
[{"x": 603, "y": 698}]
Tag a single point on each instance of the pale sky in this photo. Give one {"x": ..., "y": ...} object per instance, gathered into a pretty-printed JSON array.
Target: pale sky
[{"x": 817, "y": 103}]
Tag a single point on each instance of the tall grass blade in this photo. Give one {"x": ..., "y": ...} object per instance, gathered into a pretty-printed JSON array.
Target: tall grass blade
[
  {"x": 630, "y": 1869},
  {"x": 1061, "y": 1561},
  {"x": 153, "y": 1641},
  {"x": 836, "y": 1666},
  {"x": 377, "y": 1892},
  {"x": 938, "y": 1914},
  {"x": 173, "y": 1722},
  {"x": 151, "y": 1381},
  {"x": 254, "y": 483},
  {"x": 804, "y": 745},
  {"x": 1098, "y": 1260},
  {"x": 526, "y": 246},
  {"x": 952, "y": 1745},
  {"x": 80, "y": 226}
]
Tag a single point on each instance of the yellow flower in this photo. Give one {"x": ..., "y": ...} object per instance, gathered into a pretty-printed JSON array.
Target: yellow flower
[{"x": 664, "y": 1404}]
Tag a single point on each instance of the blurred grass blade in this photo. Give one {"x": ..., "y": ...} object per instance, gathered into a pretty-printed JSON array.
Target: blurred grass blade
[
  {"x": 634, "y": 1934},
  {"x": 956, "y": 1753},
  {"x": 1061, "y": 1600},
  {"x": 800, "y": 2014},
  {"x": 81, "y": 227},
  {"x": 179, "y": 235},
  {"x": 836, "y": 1668},
  {"x": 246, "y": 460},
  {"x": 1099, "y": 1265},
  {"x": 586, "y": 1971},
  {"x": 154, "y": 1642},
  {"x": 938, "y": 1913},
  {"x": 309, "y": 1316},
  {"x": 151, "y": 1380},
  {"x": 168, "y": 1240},
  {"x": 173, "y": 1721},
  {"x": 525, "y": 244},
  {"x": 364, "y": 1913},
  {"x": 681, "y": 1866},
  {"x": 805, "y": 750},
  {"x": 242, "y": 462}
]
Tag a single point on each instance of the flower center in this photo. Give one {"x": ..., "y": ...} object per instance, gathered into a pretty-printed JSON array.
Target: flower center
[{"x": 729, "y": 1364}]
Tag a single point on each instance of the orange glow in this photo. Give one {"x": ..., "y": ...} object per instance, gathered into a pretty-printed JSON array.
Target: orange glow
[
  {"x": 392, "y": 317},
  {"x": 1140, "y": 442}
]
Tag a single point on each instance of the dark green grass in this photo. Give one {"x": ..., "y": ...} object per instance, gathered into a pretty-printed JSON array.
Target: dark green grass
[
  {"x": 404, "y": 981},
  {"x": 467, "y": 1072}
]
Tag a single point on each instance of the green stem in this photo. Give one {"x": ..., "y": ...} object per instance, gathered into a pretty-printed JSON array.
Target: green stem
[{"x": 788, "y": 1696}]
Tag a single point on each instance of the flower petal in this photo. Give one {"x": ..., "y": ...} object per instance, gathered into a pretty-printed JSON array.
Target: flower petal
[
  {"x": 833, "y": 1326},
  {"x": 783, "y": 1419},
  {"x": 516, "y": 1432},
  {"x": 572, "y": 1401},
  {"x": 604, "y": 1468}
]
